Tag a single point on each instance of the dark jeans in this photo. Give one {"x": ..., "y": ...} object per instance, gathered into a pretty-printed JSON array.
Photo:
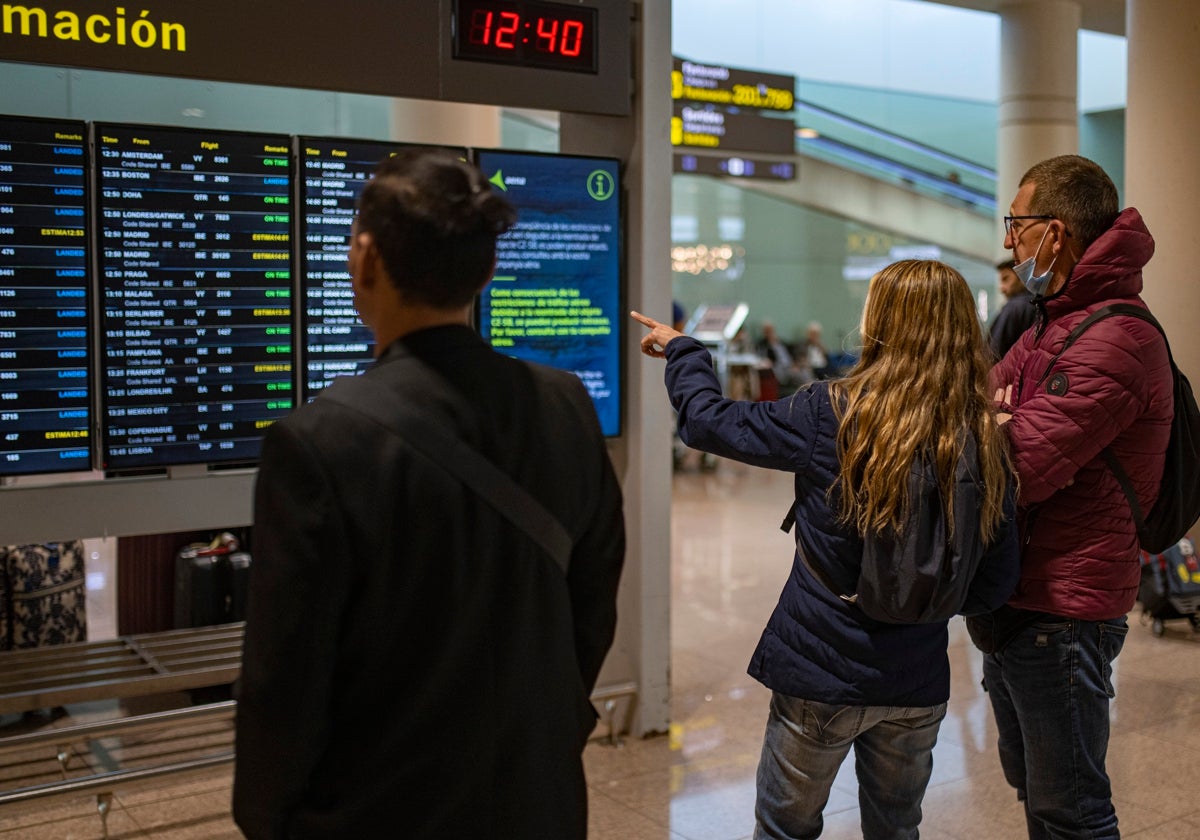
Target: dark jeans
[{"x": 1050, "y": 690}]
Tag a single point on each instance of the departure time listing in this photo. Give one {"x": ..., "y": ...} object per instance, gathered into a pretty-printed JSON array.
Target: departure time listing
[
  {"x": 195, "y": 261},
  {"x": 44, "y": 383},
  {"x": 336, "y": 343}
]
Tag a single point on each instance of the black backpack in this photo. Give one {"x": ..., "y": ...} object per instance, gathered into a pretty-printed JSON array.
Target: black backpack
[
  {"x": 922, "y": 575},
  {"x": 1178, "y": 504}
]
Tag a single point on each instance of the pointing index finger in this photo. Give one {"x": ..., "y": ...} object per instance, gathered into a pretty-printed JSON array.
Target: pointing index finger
[{"x": 642, "y": 319}]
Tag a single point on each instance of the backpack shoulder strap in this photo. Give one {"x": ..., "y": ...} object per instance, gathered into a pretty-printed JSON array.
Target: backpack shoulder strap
[
  {"x": 1110, "y": 459},
  {"x": 1136, "y": 312},
  {"x": 453, "y": 455},
  {"x": 1099, "y": 315}
]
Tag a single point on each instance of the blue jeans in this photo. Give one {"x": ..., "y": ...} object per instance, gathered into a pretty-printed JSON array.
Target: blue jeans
[
  {"x": 1050, "y": 690},
  {"x": 804, "y": 746}
]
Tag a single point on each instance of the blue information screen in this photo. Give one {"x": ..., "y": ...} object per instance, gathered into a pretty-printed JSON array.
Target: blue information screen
[
  {"x": 556, "y": 294},
  {"x": 45, "y": 395}
]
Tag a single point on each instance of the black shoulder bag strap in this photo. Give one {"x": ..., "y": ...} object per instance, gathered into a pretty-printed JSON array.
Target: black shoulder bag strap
[
  {"x": 453, "y": 455},
  {"x": 1110, "y": 459},
  {"x": 786, "y": 526}
]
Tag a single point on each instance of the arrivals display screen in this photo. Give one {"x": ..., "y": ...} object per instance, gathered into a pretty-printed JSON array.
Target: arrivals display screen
[
  {"x": 556, "y": 294},
  {"x": 332, "y": 174},
  {"x": 44, "y": 356},
  {"x": 195, "y": 271}
]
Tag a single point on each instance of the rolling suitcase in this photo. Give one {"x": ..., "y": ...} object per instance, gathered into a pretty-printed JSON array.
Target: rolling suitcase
[
  {"x": 1170, "y": 586},
  {"x": 211, "y": 581},
  {"x": 44, "y": 595}
]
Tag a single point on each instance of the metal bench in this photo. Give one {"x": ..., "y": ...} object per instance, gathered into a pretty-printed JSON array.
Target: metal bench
[
  {"x": 125, "y": 667},
  {"x": 143, "y": 665},
  {"x": 128, "y": 666}
]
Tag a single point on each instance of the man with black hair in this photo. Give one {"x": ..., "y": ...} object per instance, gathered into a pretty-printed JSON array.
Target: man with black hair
[
  {"x": 1049, "y": 672},
  {"x": 1017, "y": 315},
  {"x": 415, "y": 664}
]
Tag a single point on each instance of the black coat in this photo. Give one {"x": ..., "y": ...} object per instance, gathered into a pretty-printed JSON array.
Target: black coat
[
  {"x": 1018, "y": 314},
  {"x": 411, "y": 658}
]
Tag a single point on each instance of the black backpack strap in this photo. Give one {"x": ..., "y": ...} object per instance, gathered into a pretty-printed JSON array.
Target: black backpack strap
[
  {"x": 1110, "y": 459},
  {"x": 824, "y": 579},
  {"x": 789, "y": 522},
  {"x": 1082, "y": 327},
  {"x": 1122, "y": 478},
  {"x": 453, "y": 455}
]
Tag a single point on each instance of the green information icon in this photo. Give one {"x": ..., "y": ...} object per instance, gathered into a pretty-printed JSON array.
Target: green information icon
[{"x": 600, "y": 185}]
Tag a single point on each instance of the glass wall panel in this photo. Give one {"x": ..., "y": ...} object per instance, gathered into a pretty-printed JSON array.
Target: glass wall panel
[{"x": 792, "y": 265}]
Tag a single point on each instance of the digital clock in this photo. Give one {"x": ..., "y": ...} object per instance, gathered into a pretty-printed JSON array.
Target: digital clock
[{"x": 550, "y": 35}]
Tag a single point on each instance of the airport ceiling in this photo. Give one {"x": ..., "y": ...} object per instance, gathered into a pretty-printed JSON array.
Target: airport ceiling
[{"x": 1106, "y": 16}]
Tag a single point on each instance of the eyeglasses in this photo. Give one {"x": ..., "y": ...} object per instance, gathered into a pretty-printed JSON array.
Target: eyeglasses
[{"x": 1008, "y": 221}]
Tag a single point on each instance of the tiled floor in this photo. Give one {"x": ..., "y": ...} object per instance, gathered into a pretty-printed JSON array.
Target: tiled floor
[{"x": 697, "y": 781}]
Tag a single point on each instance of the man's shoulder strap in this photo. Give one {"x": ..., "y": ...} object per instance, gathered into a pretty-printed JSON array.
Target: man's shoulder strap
[
  {"x": 452, "y": 454},
  {"x": 1110, "y": 459},
  {"x": 1099, "y": 315}
]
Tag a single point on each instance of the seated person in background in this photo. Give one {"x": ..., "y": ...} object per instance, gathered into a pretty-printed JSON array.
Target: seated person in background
[
  {"x": 787, "y": 373},
  {"x": 814, "y": 351}
]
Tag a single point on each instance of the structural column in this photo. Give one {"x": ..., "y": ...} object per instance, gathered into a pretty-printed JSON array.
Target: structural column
[
  {"x": 1162, "y": 168},
  {"x": 642, "y": 650},
  {"x": 1039, "y": 112}
]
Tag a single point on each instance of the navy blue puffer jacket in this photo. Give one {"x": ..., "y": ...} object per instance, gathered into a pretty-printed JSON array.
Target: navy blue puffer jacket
[{"x": 816, "y": 646}]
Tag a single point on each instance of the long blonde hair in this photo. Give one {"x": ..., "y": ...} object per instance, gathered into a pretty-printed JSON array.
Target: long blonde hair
[{"x": 919, "y": 387}]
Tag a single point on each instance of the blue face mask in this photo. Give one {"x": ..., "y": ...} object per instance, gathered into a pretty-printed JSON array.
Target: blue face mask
[{"x": 1024, "y": 271}]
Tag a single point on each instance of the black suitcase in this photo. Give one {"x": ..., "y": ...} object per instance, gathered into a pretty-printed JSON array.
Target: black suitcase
[
  {"x": 43, "y": 595},
  {"x": 211, "y": 581},
  {"x": 1170, "y": 586}
]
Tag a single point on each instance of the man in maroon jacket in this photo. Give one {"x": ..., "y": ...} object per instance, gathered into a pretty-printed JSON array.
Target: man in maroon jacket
[{"x": 1050, "y": 684}]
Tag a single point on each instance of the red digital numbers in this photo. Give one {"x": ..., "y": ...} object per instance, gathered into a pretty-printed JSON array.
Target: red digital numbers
[
  {"x": 527, "y": 32},
  {"x": 481, "y": 29},
  {"x": 547, "y": 34},
  {"x": 572, "y": 38},
  {"x": 506, "y": 32},
  {"x": 548, "y": 40}
]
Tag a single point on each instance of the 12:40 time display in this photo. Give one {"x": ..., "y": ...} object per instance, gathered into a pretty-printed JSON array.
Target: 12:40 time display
[{"x": 528, "y": 34}]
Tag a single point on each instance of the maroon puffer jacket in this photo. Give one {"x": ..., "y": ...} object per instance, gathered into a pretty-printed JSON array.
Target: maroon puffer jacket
[{"x": 1111, "y": 388}]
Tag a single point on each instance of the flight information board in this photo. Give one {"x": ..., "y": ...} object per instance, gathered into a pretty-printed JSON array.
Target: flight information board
[
  {"x": 195, "y": 267},
  {"x": 556, "y": 294},
  {"x": 332, "y": 174},
  {"x": 44, "y": 356}
]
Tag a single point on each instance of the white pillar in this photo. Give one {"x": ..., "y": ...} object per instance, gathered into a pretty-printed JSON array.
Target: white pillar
[
  {"x": 642, "y": 650},
  {"x": 1162, "y": 172},
  {"x": 1039, "y": 70},
  {"x": 445, "y": 123}
]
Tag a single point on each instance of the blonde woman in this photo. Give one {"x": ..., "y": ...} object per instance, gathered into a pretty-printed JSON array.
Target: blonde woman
[{"x": 839, "y": 678}]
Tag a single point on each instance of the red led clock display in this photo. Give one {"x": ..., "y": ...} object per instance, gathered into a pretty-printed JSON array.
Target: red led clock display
[{"x": 550, "y": 35}]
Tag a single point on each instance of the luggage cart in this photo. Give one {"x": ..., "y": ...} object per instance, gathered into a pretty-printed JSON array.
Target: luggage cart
[{"x": 1170, "y": 586}]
